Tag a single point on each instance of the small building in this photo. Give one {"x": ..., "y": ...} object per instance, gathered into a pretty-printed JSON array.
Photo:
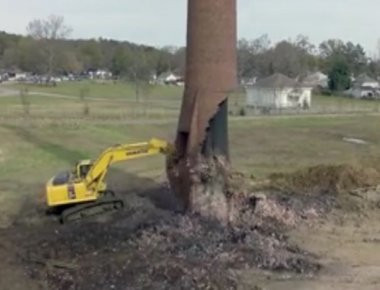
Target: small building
[
  {"x": 99, "y": 74},
  {"x": 364, "y": 87},
  {"x": 365, "y": 81},
  {"x": 248, "y": 81},
  {"x": 103, "y": 74},
  {"x": 278, "y": 92},
  {"x": 169, "y": 78},
  {"x": 17, "y": 75}
]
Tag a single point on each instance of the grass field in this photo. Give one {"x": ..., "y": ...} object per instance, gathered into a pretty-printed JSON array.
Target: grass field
[
  {"x": 321, "y": 103},
  {"x": 104, "y": 100},
  {"x": 108, "y": 90},
  {"x": 56, "y": 134},
  {"x": 112, "y": 100}
]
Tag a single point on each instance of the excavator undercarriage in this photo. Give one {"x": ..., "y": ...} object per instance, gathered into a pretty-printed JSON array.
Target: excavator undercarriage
[{"x": 107, "y": 203}]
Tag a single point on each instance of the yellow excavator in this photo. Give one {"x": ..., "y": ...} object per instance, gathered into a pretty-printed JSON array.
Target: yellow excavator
[{"x": 83, "y": 191}]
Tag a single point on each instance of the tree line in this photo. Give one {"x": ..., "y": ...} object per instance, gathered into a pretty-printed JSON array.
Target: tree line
[
  {"x": 299, "y": 56},
  {"x": 47, "y": 50}
]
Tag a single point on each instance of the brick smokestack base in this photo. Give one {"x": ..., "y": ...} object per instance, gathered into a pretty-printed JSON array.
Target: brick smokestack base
[{"x": 198, "y": 172}]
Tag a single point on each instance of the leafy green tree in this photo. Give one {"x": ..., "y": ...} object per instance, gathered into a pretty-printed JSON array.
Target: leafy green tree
[
  {"x": 70, "y": 62},
  {"x": 353, "y": 55},
  {"x": 356, "y": 56},
  {"x": 339, "y": 75},
  {"x": 91, "y": 54},
  {"x": 30, "y": 56}
]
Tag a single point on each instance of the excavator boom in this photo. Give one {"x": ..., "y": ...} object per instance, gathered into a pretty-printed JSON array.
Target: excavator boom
[{"x": 123, "y": 153}]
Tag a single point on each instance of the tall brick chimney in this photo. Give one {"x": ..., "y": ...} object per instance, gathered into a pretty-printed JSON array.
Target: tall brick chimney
[{"x": 211, "y": 74}]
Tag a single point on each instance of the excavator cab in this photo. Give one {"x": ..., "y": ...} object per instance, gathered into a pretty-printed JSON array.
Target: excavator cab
[{"x": 82, "y": 168}]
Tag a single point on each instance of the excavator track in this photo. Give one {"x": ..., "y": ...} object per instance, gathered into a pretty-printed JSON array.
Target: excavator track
[{"x": 106, "y": 204}]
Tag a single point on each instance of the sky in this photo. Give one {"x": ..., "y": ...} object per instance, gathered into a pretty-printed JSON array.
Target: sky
[{"x": 163, "y": 22}]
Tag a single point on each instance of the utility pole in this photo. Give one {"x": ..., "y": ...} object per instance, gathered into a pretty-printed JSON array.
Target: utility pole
[{"x": 202, "y": 136}]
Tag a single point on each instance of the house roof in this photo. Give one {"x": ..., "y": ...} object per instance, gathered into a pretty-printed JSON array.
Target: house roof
[
  {"x": 364, "y": 78},
  {"x": 314, "y": 77},
  {"x": 276, "y": 81}
]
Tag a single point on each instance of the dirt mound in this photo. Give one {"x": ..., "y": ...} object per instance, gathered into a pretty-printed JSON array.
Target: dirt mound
[
  {"x": 145, "y": 247},
  {"x": 326, "y": 179}
]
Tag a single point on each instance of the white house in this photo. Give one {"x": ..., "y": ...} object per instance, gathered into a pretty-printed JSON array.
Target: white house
[
  {"x": 278, "y": 92},
  {"x": 365, "y": 81},
  {"x": 103, "y": 74},
  {"x": 18, "y": 76},
  {"x": 169, "y": 78},
  {"x": 364, "y": 87},
  {"x": 99, "y": 74}
]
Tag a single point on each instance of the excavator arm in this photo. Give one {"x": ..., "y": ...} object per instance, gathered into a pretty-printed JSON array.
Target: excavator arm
[{"x": 125, "y": 152}]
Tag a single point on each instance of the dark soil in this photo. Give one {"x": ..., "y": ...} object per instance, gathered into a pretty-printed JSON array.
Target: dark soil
[{"x": 149, "y": 245}]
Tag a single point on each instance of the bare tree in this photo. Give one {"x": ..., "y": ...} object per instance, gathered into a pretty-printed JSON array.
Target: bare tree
[
  {"x": 83, "y": 94},
  {"x": 49, "y": 31},
  {"x": 378, "y": 49},
  {"x": 25, "y": 101},
  {"x": 51, "y": 28}
]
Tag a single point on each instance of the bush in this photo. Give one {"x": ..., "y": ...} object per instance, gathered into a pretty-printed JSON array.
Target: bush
[{"x": 242, "y": 112}]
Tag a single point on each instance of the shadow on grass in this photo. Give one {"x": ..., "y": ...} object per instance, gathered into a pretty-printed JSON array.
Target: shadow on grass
[{"x": 58, "y": 151}]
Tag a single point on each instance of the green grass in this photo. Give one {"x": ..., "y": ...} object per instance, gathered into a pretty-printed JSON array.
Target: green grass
[
  {"x": 339, "y": 103},
  {"x": 106, "y": 101},
  {"x": 56, "y": 134},
  {"x": 42, "y": 106},
  {"x": 288, "y": 144},
  {"x": 31, "y": 153},
  {"x": 118, "y": 100},
  {"x": 108, "y": 90},
  {"x": 258, "y": 146}
]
